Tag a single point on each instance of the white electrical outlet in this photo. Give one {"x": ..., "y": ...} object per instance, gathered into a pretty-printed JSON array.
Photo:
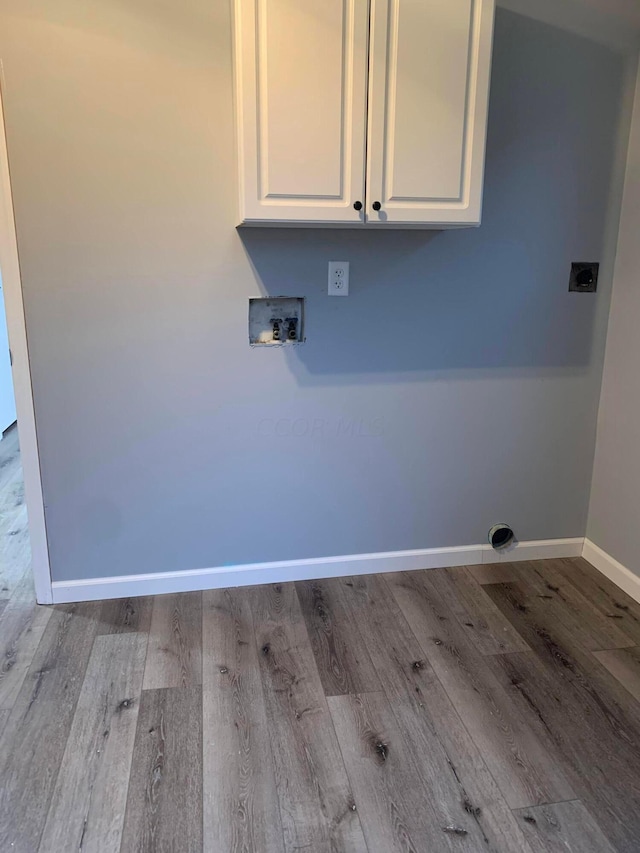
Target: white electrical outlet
[{"x": 338, "y": 278}]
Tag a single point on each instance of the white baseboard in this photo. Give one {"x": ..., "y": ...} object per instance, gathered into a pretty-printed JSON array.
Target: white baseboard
[
  {"x": 541, "y": 549},
  {"x": 127, "y": 586},
  {"x": 615, "y": 571}
]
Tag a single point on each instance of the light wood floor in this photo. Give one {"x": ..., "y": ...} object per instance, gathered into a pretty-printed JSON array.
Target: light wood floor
[{"x": 468, "y": 709}]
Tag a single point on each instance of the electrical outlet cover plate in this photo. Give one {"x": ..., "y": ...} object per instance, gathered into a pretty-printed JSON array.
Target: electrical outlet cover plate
[
  {"x": 338, "y": 278},
  {"x": 276, "y": 321}
]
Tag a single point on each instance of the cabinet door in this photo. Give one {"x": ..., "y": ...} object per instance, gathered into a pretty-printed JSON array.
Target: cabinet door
[
  {"x": 428, "y": 99},
  {"x": 301, "y": 88}
]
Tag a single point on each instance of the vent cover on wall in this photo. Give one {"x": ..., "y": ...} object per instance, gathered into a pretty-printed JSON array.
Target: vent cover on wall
[{"x": 501, "y": 536}]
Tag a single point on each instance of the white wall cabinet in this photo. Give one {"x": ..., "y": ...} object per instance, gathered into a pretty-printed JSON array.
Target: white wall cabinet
[{"x": 362, "y": 113}]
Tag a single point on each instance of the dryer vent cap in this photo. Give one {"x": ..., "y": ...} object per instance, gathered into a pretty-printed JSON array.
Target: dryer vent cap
[{"x": 501, "y": 536}]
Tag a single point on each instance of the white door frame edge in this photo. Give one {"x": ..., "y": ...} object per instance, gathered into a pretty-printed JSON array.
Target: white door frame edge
[{"x": 12, "y": 285}]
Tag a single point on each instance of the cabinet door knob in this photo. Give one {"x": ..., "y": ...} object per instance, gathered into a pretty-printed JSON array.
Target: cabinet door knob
[
  {"x": 357, "y": 205},
  {"x": 376, "y": 205}
]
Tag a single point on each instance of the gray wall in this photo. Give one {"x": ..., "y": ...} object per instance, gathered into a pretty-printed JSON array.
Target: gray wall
[
  {"x": 614, "y": 518},
  {"x": 457, "y": 385}
]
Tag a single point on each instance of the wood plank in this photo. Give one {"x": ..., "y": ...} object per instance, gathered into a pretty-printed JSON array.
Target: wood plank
[
  {"x": 174, "y": 654},
  {"x": 88, "y": 802},
  {"x": 9, "y": 447},
  {"x": 126, "y": 615},
  {"x": 22, "y": 626},
  {"x": 609, "y": 599},
  {"x": 15, "y": 547},
  {"x": 493, "y": 573},
  {"x": 583, "y": 746},
  {"x": 15, "y": 551},
  {"x": 623, "y": 664},
  {"x": 583, "y": 712},
  {"x": 391, "y": 796},
  {"x": 314, "y": 792},
  {"x": 22, "y": 588},
  {"x": 569, "y": 607},
  {"x": 460, "y": 782},
  {"x": 35, "y": 736},
  {"x": 241, "y": 813},
  {"x": 11, "y": 483},
  {"x": 523, "y": 769},
  {"x": 341, "y": 656},
  {"x": 558, "y": 648},
  {"x": 164, "y": 801},
  {"x": 563, "y": 828},
  {"x": 12, "y": 498},
  {"x": 486, "y": 627}
]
